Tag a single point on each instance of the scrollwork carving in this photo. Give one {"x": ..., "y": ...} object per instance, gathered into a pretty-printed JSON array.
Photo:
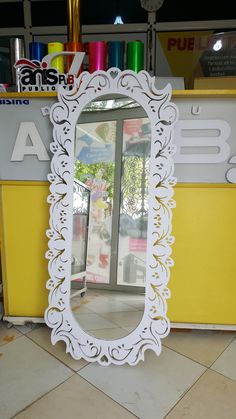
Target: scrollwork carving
[{"x": 64, "y": 114}]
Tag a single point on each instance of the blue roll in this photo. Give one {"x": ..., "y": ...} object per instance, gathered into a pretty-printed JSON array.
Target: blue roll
[
  {"x": 37, "y": 51},
  {"x": 116, "y": 54}
]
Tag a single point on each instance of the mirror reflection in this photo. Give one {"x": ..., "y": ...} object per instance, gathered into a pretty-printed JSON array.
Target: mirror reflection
[{"x": 111, "y": 170}]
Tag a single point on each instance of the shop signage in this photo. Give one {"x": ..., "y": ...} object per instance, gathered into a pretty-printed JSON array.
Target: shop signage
[
  {"x": 191, "y": 54},
  {"x": 26, "y": 133},
  {"x": 14, "y": 101},
  {"x": 204, "y": 138},
  {"x": 36, "y": 76},
  {"x": 202, "y": 141}
]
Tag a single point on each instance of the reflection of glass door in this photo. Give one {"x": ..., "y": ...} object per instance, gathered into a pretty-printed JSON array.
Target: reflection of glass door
[
  {"x": 112, "y": 158},
  {"x": 133, "y": 203},
  {"x": 81, "y": 198},
  {"x": 95, "y": 150}
]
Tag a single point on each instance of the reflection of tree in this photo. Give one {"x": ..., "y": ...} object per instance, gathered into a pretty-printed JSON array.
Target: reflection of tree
[
  {"x": 105, "y": 171},
  {"x": 134, "y": 184}
]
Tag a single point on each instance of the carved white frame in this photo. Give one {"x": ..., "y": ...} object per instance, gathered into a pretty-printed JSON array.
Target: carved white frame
[{"x": 64, "y": 115}]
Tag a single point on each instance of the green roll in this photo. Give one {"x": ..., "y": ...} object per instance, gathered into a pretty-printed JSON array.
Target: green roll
[{"x": 135, "y": 56}]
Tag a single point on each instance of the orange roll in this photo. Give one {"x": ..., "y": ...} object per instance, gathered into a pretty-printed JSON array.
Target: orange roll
[{"x": 73, "y": 46}]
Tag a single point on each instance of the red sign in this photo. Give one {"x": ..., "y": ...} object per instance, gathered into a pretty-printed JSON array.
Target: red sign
[{"x": 137, "y": 245}]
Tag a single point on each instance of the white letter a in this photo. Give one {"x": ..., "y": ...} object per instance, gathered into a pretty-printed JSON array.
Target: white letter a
[{"x": 21, "y": 148}]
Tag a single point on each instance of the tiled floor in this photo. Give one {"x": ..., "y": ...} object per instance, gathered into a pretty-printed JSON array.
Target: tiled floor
[{"x": 193, "y": 378}]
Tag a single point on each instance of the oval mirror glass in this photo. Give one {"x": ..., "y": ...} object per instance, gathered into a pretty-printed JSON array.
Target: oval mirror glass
[{"x": 110, "y": 211}]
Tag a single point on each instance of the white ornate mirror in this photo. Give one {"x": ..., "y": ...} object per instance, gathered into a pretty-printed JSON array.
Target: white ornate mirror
[{"x": 122, "y": 100}]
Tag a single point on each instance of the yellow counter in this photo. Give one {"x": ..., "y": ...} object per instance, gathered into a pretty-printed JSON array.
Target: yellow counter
[
  {"x": 203, "y": 279},
  {"x": 24, "y": 220}
]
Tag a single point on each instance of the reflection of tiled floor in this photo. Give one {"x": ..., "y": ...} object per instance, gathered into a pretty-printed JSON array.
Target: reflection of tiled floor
[
  {"x": 102, "y": 313},
  {"x": 193, "y": 378}
]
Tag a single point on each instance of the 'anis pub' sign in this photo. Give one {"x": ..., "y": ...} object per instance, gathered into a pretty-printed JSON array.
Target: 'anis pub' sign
[{"x": 39, "y": 76}]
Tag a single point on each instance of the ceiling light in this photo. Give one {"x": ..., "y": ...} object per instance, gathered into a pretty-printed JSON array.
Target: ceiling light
[
  {"x": 118, "y": 20},
  {"x": 217, "y": 45}
]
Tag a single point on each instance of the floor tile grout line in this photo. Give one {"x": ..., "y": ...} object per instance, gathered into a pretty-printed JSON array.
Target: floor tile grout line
[
  {"x": 117, "y": 323},
  {"x": 185, "y": 356},
  {"x": 26, "y": 335},
  {"x": 117, "y": 326},
  {"x": 119, "y": 301},
  {"x": 223, "y": 352},
  {"x": 207, "y": 368},
  {"x": 223, "y": 375},
  {"x": 74, "y": 372},
  {"x": 77, "y": 372},
  {"x": 102, "y": 299},
  {"x": 41, "y": 397},
  {"x": 84, "y": 366},
  {"x": 112, "y": 312},
  {"x": 107, "y": 395},
  {"x": 54, "y": 356},
  {"x": 188, "y": 357},
  {"x": 107, "y": 312},
  {"x": 186, "y": 392}
]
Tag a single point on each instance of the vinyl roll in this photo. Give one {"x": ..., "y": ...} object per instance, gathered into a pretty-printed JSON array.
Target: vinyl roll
[
  {"x": 73, "y": 46},
  {"x": 97, "y": 52},
  {"x": 135, "y": 56},
  {"x": 57, "y": 62},
  {"x": 116, "y": 54},
  {"x": 73, "y": 21},
  {"x": 37, "y": 50},
  {"x": 17, "y": 50}
]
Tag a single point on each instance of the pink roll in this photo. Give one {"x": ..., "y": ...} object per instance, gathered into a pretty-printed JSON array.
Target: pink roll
[{"x": 97, "y": 56}]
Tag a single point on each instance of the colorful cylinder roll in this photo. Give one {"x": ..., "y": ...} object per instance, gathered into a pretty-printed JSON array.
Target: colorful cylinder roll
[
  {"x": 57, "y": 62},
  {"x": 135, "y": 56},
  {"x": 17, "y": 52},
  {"x": 116, "y": 54},
  {"x": 97, "y": 52},
  {"x": 73, "y": 46},
  {"x": 73, "y": 21},
  {"x": 37, "y": 51}
]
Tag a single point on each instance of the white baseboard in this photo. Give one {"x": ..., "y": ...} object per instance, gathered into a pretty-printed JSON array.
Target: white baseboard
[{"x": 20, "y": 321}]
